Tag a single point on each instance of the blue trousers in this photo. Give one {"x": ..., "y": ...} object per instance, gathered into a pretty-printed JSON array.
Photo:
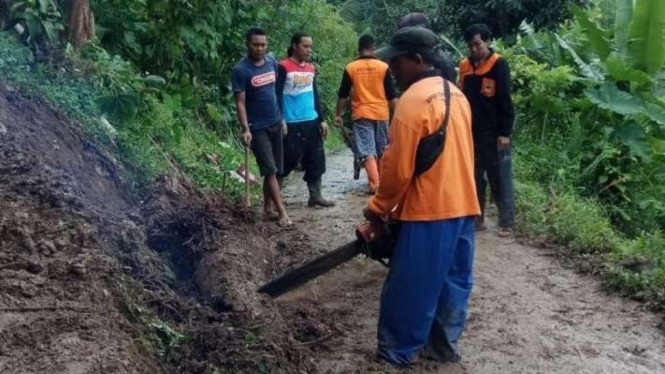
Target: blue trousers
[{"x": 425, "y": 297}]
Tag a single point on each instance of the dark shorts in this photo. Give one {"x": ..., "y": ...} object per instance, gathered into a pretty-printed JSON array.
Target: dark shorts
[
  {"x": 268, "y": 148},
  {"x": 370, "y": 137}
]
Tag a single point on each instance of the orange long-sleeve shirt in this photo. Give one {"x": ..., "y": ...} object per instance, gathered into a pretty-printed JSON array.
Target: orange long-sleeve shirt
[{"x": 448, "y": 189}]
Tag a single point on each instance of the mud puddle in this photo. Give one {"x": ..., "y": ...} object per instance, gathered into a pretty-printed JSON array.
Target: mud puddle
[{"x": 528, "y": 314}]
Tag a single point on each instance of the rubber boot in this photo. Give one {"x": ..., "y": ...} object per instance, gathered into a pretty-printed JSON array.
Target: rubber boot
[
  {"x": 372, "y": 174},
  {"x": 315, "y": 197},
  {"x": 357, "y": 165}
]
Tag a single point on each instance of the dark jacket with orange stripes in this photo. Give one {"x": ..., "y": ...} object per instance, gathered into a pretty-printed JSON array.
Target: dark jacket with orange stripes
[{"x": 488, "y": 89}]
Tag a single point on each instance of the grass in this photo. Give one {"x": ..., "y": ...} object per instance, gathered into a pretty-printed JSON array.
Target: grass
[{"x": 580, "y": 225}]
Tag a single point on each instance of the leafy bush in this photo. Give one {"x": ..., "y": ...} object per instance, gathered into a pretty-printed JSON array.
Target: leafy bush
[
  {"x": 157, "y": 83},
  {"x": 451, "y": 17},
  {"x": 590, "y": 138},
  {"x": 41, "y": 18},
  {"x": 591, "y": 103}
]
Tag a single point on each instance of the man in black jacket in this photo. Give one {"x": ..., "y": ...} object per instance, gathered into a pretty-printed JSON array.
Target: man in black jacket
[{"x": 485, "y": 80}]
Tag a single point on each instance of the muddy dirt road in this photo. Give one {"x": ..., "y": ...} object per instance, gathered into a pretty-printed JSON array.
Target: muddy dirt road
[{"x": 528, "y": 314}]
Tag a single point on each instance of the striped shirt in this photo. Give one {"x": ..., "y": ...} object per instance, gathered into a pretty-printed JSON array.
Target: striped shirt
[{"x": 299, "y": 99}]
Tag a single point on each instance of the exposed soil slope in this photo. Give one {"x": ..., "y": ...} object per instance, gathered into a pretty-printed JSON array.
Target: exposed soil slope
[
  {"x": 59, "y": 310},
  {"x": 94, "y": 282}
]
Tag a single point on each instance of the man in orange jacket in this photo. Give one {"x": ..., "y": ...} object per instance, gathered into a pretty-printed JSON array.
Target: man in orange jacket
[
  {"x": 425, "y": 296},
  {"x": 373, "y": 95}
]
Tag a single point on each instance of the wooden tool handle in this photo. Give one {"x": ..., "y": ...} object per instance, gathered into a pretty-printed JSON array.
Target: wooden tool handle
[{"x": 247, "y": 200}]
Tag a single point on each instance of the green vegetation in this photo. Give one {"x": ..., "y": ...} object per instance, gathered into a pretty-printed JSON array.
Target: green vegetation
[
  {"x": 590, "y": 160},
  {"x": 156, "y": 85},
  {"x": 450, "y": 17},
  {"x": 158, "y": 336}
]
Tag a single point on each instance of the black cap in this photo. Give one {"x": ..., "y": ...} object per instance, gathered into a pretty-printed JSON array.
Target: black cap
[
  {"x": 409, "y": 40},
  {"x": 414, "y": 19}
]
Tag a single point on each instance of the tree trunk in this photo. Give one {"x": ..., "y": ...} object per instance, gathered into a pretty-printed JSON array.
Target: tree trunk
[{"x": 81, "y": 23}]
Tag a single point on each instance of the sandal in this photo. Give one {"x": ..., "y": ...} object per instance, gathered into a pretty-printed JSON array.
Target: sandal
[
  {"x": 270, "y": 216},
  {"x": 285, "y": 222},
  {"x": 505, "y": 232}
]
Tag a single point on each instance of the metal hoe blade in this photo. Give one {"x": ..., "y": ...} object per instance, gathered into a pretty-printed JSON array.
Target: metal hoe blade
[{"x": 311, "y": 270}]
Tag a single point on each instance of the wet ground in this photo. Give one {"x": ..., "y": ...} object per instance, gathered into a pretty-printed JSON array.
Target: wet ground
[{"x": 528, "y": 313}]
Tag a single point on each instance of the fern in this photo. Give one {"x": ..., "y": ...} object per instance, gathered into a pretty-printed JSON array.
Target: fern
[{"x": 575, "y": 139}]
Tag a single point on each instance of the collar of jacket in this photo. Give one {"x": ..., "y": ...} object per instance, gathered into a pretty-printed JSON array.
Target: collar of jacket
[
  {"x": 487, "y": 64},
  {"x": 492, "y": 51},
  {"x": 423, "y": 75}
]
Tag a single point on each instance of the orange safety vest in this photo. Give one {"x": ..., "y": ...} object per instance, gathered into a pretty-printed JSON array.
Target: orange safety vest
[{"x": 369, "y": 99}]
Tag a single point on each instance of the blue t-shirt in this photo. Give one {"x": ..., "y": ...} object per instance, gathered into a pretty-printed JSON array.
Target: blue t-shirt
[{"x": 258, "y": 82}]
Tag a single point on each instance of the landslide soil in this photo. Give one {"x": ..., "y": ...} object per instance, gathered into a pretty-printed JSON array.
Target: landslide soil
[
  {"x": 58, "y": 307},
  {"x": 95, "y": 279}
]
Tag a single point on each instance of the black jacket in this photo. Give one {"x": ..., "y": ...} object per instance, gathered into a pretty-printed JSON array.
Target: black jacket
[{"x": 488, "y": 89}]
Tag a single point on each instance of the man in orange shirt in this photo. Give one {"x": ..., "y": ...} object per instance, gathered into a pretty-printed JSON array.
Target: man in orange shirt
[
  {"x": 425, "y": 296},
  {"x": 373, "y": 94}
]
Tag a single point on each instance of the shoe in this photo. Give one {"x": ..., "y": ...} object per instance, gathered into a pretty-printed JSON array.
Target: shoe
[
  {"x": 445, "y": 356},
  {"x": 450, "y": 359},
  {"x": 505, "y": 232}
]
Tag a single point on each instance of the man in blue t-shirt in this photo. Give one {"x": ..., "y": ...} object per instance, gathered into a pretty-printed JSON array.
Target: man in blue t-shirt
[{"x": 253, "y": 83}]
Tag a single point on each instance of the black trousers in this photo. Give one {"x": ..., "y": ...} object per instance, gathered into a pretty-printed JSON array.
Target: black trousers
[
  {"x": 304, "y": 143},
  {"x": 496, "y": 166}
]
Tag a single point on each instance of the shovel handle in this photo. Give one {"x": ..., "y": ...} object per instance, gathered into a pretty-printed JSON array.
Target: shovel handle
[{"x": 247, "y": 201}]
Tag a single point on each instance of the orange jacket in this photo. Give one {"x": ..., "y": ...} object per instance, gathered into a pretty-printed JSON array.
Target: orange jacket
[
  {"x": 448, "y": 189},
  {"x": 372, "y": 88}
]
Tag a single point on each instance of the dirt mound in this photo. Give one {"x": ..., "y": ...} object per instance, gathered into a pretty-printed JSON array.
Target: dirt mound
[
  {"x": 227, "y": 255},
  {"x": 58, "y": 295},
  {"x": 90, "y": 282},
  {"x": 208, "y": 240}
]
